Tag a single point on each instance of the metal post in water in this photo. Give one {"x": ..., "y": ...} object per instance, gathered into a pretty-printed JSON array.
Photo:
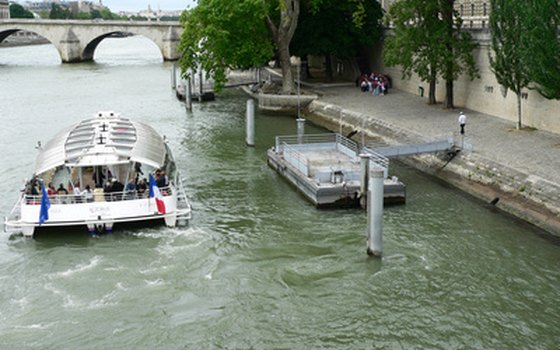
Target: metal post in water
[
  {"x": 200, "y": 87},
  {"x": 300, "y": 129},
  {"x": 250, "y": 124},
  {"x": 188, "y": 95},
  {"x": 375, "y": 213},
  {"x": 364, "y": 178},
  {"x": 340, "y": 123},
  {"x": 174, "y": 76}
]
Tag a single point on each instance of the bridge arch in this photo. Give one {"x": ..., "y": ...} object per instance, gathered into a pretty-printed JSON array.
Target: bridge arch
[
  {"x": 76, "y": 40},
  {"x": 6, "y": 33},
  {"x": 90, "y": 46}
]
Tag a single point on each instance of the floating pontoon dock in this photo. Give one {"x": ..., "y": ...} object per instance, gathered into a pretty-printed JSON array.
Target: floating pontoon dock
[{"x": 326, "y": 168}]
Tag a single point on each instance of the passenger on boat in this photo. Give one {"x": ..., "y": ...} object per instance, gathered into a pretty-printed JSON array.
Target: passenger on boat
[
  {"x": 130, "y": 188},
  {"x": 77, "y": 193},
  {"x": 161, "y": 179},
  {"x": 141, "y": 187},
  {"x": 51, "y": 191},
  {"x": 98, "y": 177},
  {"x": 31, "y": 188},
  {"x": 61, "y": 190},
  {"x": 114, "y": 192},
  {"x": 87, "y": 194}
]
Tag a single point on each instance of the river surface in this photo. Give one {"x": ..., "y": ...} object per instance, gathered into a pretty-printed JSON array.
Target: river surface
[{"x": 258, "y": 267}]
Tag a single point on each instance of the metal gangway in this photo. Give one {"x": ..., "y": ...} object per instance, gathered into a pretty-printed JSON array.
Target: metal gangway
[{"x": 448, "y": 145}]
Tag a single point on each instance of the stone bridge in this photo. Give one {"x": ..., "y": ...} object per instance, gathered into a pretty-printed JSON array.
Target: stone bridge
[{"x": 76, "y": 40}]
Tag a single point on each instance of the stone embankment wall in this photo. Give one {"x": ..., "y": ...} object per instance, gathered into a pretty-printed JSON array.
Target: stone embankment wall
[
  {"x": 528, "y": 197},
  {"x": 485, "y": 94}
]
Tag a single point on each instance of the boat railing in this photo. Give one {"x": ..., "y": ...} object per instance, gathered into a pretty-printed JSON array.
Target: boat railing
[
  {"x": 316, "y": 141},
  {"x": 95, "y": 196},
  {"x": 296, "y": 158}
]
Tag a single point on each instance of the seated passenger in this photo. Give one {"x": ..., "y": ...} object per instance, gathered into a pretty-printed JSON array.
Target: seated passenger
[
  {"x": 130, "y": 188},
  {"x": 141, "y": 187},
  {"x": 61, "y": 190}
]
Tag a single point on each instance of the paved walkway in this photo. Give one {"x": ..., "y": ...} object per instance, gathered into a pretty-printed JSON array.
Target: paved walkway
[{"x": 530, "y": 152}]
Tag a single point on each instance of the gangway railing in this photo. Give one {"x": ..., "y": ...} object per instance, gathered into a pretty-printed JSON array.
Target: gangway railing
[
  {"x": 293, "y": 148},
  {"x": 414, "y": 149}
]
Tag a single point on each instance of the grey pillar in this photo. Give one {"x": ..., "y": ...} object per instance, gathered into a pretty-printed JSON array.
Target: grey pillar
[
  {"x": 250, "y": 124},
  {"x": 300, "y": 129},
  {"x": 375, "y": 213},
  {"x": 188, "y": 95},
  {"x": 364, "y": 178},
  {"x": 174, "y": 76}
]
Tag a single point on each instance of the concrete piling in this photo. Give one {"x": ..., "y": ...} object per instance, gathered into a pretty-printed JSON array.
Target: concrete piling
[
  {"x": 200, "y": 85},
  {"x": 364, "y": 178},
  {"x": 174, "y": 76},
  {"x": 300, "y": 129},
  {"x": 188, "y": 95},
  {"x": 250, "y": 123},
  {"x": 375, "y": 213}
]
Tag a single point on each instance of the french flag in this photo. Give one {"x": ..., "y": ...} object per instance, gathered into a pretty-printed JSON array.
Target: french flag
[{"x": 156, "y": 194}]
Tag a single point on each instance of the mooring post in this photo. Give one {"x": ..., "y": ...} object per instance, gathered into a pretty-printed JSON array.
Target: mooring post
[
  {"x": 300, "y": 129},
  {"x": 340, "y": 123},
  {"x": 174, "y": 76},
  {"x": 364, "y": 178},
  {"x": 200, "y": 87},
  {"x": 250, "y": 124},
  {"x": 188, "y": 95},
  {"x": 375, "y": 213}
]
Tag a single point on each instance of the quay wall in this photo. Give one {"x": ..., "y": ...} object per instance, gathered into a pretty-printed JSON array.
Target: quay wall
[
  {"x": 526, "y": 196},
  {"x": 483, "y": 94}
]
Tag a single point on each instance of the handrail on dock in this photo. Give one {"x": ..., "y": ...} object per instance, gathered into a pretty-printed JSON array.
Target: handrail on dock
[{"x": 308, "y": 139}]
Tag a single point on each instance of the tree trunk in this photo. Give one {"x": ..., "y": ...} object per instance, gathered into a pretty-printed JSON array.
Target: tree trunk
[
  {"x": 432, "y": 92},
  {"x": 447, "y": 14},
  {"x": 449, "y": 94},
  {"x": 519, "y": 124},
  {"x": 328, "y": 67},
  {"x": 288, "y": 86},
  {"x": 282, "y": 34}
]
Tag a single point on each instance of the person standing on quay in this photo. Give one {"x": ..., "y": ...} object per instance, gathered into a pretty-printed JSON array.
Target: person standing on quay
[{"x": 462, "y": 122}]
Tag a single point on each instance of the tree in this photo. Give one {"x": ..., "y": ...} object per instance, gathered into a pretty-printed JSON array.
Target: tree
[
  {"x": 428, "y": 41},
  {"x": 222, "y": 34},
  {"x": 18, "y": 11},
  {"x": 58, "y": 12},
  {"x": 459, "y": 46},
  {"x": 328, "y": 28},
  {"x": 508, "y": 62},
  {"x": 282, "y": 30},
  {"x": 542, "y": 43}
]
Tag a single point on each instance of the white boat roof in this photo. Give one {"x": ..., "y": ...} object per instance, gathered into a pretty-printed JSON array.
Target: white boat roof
[{"x": 106, "y": 139}]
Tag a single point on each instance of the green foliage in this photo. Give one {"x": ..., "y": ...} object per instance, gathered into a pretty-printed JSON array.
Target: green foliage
[
  {"x": 507, "y": 24},
  {"x": 428, "y": 40},
  {"x": 507, "y": 27},
  {"x": 328, "y": 27},
  {"x": 17, "y": 11},
  {"x": 542, "y": 42},
  {"x": 220, "y": 34},
  {"x": 59, "y": 12}
]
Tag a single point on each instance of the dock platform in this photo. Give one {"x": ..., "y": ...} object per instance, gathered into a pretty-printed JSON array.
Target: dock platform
[{"x": 326, "y": 169}]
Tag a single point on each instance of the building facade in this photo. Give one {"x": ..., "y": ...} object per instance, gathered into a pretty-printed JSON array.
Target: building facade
[{"x": 4, "y": 9}]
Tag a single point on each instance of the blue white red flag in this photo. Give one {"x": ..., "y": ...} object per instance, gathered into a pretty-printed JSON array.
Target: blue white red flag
[
  {"x": 45, "y": 206},
  {"x": 156, "y": 194}
]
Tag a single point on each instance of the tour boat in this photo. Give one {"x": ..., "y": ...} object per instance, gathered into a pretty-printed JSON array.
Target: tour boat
[{"x": 99, "y": 172}]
